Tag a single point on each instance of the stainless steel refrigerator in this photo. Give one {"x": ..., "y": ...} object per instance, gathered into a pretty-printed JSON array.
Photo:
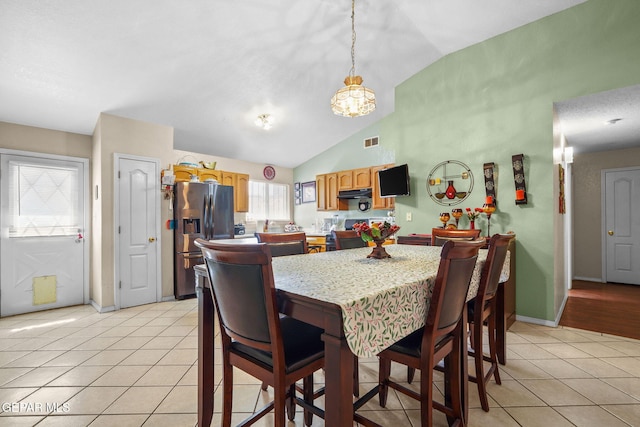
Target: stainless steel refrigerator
[{"x": 202, "y": 210}]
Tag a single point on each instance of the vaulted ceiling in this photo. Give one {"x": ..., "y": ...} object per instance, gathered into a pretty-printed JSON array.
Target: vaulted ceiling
[{"x": 209, "y": 68}]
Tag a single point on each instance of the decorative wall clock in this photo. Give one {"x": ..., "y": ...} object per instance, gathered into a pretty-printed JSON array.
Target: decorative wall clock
[
  {"x": 450, "y": 183},
  {"x": 269, "y": 172}
]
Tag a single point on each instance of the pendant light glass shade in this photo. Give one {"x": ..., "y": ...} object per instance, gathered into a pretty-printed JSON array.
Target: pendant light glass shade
[{"x": 353, "y": 99}]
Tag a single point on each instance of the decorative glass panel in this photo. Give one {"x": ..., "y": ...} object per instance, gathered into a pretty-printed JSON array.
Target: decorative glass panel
[{"x": 43, "y": 200}]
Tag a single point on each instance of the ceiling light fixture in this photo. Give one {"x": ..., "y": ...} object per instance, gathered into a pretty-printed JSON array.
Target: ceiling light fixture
[
  {"x": 353, "y": 99},
  {"x": 264, "y": 121}
]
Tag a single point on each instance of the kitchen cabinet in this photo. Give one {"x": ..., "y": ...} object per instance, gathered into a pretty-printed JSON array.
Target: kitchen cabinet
[
  {"x": 361, "y": 178},
  {"x": 320, "y": 241},
  {"x": 345, "y": 180},
  {"x": 205, "y": 174},
  {"x": 239, "y": 182},
  {"x": 378, "y": 202},
  {"x": 228, "y": 178},
  {"x": 327, "y": 193},
  {"x": 333, "y": 203},
  {"x": 321, "y": 193},
  {"x": 183, "y": 173},
  {"x": 241, "y": 192},
  {"x": 354, "y": 179}
]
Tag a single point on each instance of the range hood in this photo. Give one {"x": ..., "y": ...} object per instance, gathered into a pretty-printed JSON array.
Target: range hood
[{"x": 364, "y": 193}]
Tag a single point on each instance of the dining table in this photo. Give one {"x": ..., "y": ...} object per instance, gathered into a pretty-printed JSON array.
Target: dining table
[{"x": 363, "y": 304}]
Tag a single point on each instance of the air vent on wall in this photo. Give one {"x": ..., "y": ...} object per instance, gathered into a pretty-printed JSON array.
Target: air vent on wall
[{"x": 371, "y": 142}]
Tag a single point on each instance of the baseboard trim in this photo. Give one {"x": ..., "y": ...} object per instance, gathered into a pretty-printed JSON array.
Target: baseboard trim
[
  {"x": 168, "y": 298},
  {"x": 590, "y": 279},
  {"x": 536, "y": 321},
  {"x": 564, "y": 303},
  {"x": 101, "y": 309}
]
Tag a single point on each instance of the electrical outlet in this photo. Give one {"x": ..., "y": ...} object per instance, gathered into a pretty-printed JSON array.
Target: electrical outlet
[{"x": 409, "y": 216}]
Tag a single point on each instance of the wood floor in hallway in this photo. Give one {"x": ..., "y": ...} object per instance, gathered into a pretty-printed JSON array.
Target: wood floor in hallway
[{"x": 603, "y": 307}]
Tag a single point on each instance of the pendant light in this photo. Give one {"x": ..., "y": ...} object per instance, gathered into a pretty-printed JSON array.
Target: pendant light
[{"x": 353, "y": 99}]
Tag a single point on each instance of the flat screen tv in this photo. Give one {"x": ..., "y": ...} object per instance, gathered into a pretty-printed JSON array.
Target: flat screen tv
[{"x": 394, "y": 181}]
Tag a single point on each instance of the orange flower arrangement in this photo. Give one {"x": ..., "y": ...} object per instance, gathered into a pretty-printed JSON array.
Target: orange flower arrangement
[
  {"x": 377, "y": 231},
  {"x": 474, "y": 214}
]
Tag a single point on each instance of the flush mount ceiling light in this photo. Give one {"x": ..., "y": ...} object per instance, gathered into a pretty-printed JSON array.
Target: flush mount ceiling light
[
  {"x": 264, "y": 121},
  {"x": 353, "y": 99}
]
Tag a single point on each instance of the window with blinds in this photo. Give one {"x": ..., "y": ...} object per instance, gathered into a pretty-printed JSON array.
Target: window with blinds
[{"x": 268, "y": 201}]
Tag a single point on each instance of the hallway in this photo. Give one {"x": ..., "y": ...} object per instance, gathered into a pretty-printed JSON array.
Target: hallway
[{"x": 609, "y": 308}]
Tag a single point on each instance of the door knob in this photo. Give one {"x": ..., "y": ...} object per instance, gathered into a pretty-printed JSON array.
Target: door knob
[
  {"x": 152, "y": 239},
  {"x": 610, "y": 232}
]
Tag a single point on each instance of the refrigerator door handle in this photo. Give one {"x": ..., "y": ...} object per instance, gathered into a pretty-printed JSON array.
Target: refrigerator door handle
[
  {"x": 205, "y": 216},
  {"x": 209, "y": 218},
  {"x": 212, "y": 210}
]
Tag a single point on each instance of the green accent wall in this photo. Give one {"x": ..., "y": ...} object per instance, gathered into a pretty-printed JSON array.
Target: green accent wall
[{"x": 490, "y": 101}]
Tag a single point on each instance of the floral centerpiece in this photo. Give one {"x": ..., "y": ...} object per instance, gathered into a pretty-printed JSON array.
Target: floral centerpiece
[{"x": 378, "y": 232}]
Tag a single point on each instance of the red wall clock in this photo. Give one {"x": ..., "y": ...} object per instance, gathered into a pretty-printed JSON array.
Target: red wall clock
[{"x": 269, "y": 172}]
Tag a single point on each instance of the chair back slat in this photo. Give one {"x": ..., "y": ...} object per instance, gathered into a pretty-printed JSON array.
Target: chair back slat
[{"x": 347, "y": 239}]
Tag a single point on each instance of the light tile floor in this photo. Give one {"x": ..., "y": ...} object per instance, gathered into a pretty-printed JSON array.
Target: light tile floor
[{"x": 138, "y": 366}]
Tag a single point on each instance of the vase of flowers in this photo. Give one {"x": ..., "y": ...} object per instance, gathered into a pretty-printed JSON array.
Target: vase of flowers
[
  {"x": 473, "y": 215},
  {"x": 377, "y": 233}
]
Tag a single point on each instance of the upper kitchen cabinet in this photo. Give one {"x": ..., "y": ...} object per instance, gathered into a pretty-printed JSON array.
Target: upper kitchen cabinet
[
  {"x": 240, "y": 184},
  {"x": 327, "y": 193},
  {"x": 228, "y": 178},
  {"x": 345, "y": 180},
  {"x": 241, "y": 192},
  {"x": 354, "y": 179},
  {"x": 205, "y": 174},
  {"x": 361, "y": 178},
  {"x": 378, "y": 202}
]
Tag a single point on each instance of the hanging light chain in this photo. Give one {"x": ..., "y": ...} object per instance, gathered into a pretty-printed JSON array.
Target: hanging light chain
[{"x": 353, "y": 38}]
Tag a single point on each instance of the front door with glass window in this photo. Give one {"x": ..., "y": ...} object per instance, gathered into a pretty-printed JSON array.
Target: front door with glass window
[{"x": 42, "y": 227}]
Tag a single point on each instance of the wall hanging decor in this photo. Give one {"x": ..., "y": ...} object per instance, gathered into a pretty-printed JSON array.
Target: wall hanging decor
[
  {"x": 450, "y": 183},
  {"x": 308, "y": 192},
  {"x": 489, "y": 181},
  {"x": 297, "y": 193},
  {"x": 561, "y": 203},
  {"x": 517, "y": 161}
]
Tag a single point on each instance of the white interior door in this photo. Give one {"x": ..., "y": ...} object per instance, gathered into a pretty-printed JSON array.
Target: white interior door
[
  {"x": 622, "y": 225},
  {"x": 138, "y": 220},
  {"x": 42, "y": 225}
]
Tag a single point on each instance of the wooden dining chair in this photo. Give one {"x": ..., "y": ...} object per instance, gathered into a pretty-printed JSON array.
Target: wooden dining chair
[
  {"x": 278, "y": 350},
  {"x": 285, "y": 243},
  {"x": 482, "y": 310},
  {"x": 441, "y": 235},
  {"x": 442, "y": 336},
  {"x": 347, "y": 239}
]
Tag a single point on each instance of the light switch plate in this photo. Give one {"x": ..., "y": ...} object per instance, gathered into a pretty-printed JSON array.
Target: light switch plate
[{"x": 409, "y": 216}]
